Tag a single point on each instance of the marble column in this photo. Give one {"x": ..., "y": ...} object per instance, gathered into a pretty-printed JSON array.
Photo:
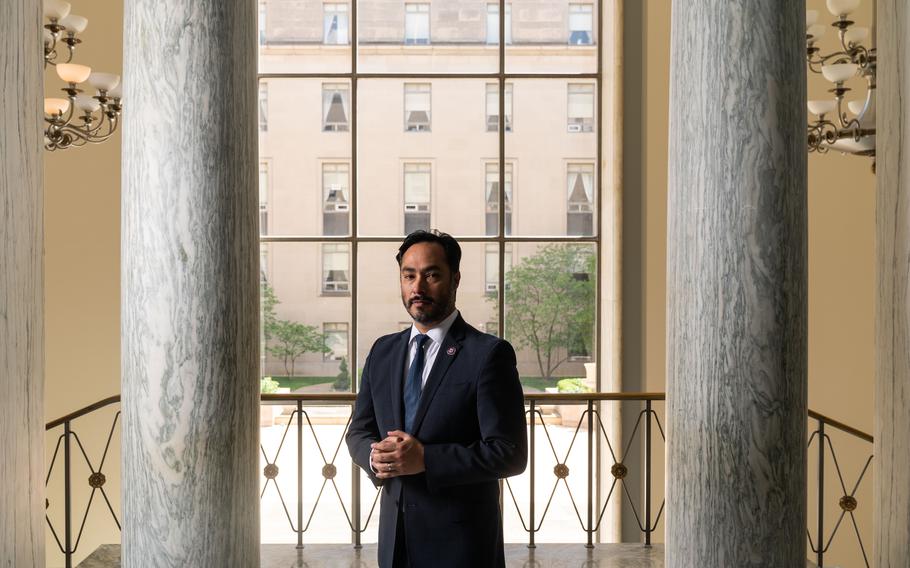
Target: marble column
[
  {"x": 190, "y": 285},
  {"x": 892, "y": 333},
  {"x": 21, "y": 286},
  {"x": 736, "y": 285}
]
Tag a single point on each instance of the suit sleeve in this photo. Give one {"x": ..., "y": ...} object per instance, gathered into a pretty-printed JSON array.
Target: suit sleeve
[
  {"x": 363, "y": 430},
  {"x": 502, "y": 450}
]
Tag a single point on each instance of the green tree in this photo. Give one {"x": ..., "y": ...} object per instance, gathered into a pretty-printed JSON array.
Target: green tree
[
  {"x": 290, "y": 340},
  {"x": 267, "y": 302},
  {"x": 343, "y": 380},
  {"x": 550, "y": 304}
]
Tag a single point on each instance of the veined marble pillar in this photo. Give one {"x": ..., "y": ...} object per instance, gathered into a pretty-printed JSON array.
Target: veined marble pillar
[
  {"x": 736, "y": 285},
  {"x": 892, "y": 337},
  {"x": 189, "y": 285},
  {"x": 21, "y": 286}
]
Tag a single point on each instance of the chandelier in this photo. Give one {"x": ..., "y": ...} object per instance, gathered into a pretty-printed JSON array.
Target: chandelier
[
  {"x": 850, "y": 130},
  {"x": 79, "y": 118}
]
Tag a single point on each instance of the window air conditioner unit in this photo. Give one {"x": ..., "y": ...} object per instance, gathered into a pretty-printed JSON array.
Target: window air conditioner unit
[
  {"x": 416, "y": 207},
  {"x": 492, "y": 286},
  {"x": 574, "y": 128},
  {"x": 341, "y": 207}
]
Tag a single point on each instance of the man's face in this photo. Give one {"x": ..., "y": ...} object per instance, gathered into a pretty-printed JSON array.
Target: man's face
[{"x": 427, "y": 284}]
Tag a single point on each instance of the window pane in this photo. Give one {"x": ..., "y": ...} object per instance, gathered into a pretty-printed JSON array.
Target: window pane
[
  {"x": 295, "y": 308},
  {"x": 580, "y": 112},
  {"x": 336, "y": 107},
  {"x": 263, "y": 198},
  {"x": 546, "y": 168},
  {"x": 263, "y": 106},
  {"x": 554, "y": 37},
  {"x": 492, "y": 198},
  {"x": 417, "y": 100},
  {"x": 415, "y": 37},
  {"x": 335, "y": 18},
  {"x": 304, "y": 37},
  {"x": 454, "y": 153},
  {"x": 550, "y": 310},
  {"x": 493, "y": 23},
  {"x": 380, "y": 309},
  {"x": 492, "y": 122},
  {"x": 307, "y": 158}
]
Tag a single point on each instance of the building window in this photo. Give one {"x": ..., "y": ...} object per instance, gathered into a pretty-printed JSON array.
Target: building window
[
  {"x": 263, "y": 106},
  {"x": 335, "y": 268},
  {"x": 263, "y": 264},
  {"x": 335, "y": 105},
  {"x": 262, "y": 20},
  {"x": 581, "y": 24},
  {"x": 416, "y": 197},
  {"x": 492, "y": 198},
  {"x": 335, "y": 197},
  {"x": 491, "y": 267},
  {"x": 581, "y": 107},
  {"x": 580, "y": 216},
  {"x": 493, "y": 23},
  {"x": 335, "y": 24},
  {"x": 493, "y": 107},
  {"x": 417, "y": 107},
  {"x": 263, "y": 198},
  {"x": 417, "y": 24},
  {"x": 336, "y": 340}
]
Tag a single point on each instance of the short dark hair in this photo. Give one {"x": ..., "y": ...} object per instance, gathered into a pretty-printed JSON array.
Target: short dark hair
[{"x": 445, "y": 240}]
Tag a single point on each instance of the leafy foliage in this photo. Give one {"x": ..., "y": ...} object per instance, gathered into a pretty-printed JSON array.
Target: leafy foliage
[
  {"x": 551, "y": 304},
  {"x": 285, "y": 339},
  {"x": 343, "y": 380}
]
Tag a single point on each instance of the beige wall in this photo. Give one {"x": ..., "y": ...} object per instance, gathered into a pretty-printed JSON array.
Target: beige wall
[{"x": 82, "y": 262}]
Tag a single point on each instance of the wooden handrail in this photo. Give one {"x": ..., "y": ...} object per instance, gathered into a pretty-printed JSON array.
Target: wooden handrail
[{"x": 536, "y": 397}]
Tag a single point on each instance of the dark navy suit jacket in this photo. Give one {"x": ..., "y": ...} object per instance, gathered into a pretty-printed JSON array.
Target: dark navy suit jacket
[{"x": 471, "y": 422}]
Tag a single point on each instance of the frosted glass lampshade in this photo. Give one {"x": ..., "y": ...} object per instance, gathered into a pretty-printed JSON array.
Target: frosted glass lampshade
[
  {"x": 56, "y": 106},
  {"x": 838, "y": 72},
  {"x": 856, "y": 107},
  {"x": 86, "y": 103},
  {"x": 821, "y": 107},
  {"x": 842, "y": 7},
  {"x": 56, "y": 9},
  {"x": 811, "y": 17},
  {"x": 856, "y": 35},
  {"x": 73, "y": 73},
  {"x": 74, "y": 23},
  {"x": 116, "y": 92},
  {"x": 816, "y": 32},
  {"x": 103, "y": 81}
]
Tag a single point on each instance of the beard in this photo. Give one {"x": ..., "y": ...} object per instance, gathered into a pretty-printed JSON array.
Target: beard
[{"x": 432, "y": 310}]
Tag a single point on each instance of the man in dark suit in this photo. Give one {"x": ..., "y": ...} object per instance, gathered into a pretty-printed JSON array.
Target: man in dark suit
[{"x": 439, "y": 419}]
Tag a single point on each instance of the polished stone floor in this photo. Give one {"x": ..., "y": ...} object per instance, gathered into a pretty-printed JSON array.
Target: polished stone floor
[{"x": 517, "y": 556}]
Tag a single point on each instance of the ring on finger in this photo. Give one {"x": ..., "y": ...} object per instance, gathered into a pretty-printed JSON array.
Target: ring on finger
[{"x": 389, "y": 467}]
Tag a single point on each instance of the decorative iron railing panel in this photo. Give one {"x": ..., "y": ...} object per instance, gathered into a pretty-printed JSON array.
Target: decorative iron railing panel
[{"x": 310, "y": 437}]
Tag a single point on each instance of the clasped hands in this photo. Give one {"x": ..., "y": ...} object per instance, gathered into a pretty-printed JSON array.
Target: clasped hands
[{"x": 398, "y": 454}]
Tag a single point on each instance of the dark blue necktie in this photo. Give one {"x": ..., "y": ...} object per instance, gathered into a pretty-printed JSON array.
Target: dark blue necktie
[{"x": 414, "y": 384}]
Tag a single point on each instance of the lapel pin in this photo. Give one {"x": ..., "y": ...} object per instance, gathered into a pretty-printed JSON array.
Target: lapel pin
[{"x": 451, "y": 351}]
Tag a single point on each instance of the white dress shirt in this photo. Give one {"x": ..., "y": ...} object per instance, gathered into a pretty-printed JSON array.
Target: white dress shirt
[{"x": 431, "y": 347}]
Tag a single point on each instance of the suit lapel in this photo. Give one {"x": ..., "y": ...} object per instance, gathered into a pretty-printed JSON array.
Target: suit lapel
[
  {"x": 399, "y": 358},
  {"x": 450, "y": 348}
]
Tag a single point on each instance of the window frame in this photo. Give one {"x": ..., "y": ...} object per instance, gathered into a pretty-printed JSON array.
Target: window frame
[
  {"x": 502, "y": 77},
  {"x": 421, "y": 9}
]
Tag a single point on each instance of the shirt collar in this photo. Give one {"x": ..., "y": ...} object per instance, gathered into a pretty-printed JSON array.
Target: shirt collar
[{"x": 438, "y": 333}]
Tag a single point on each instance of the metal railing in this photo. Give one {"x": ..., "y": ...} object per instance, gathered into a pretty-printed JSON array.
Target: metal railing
[{"x": 590, "y": 426}]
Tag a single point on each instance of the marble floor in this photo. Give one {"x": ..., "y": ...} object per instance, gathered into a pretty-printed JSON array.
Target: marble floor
[{"x": 517, "y": 556}]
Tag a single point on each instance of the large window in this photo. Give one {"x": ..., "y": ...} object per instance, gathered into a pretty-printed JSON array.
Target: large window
[{"x": 430, "y": 115}]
